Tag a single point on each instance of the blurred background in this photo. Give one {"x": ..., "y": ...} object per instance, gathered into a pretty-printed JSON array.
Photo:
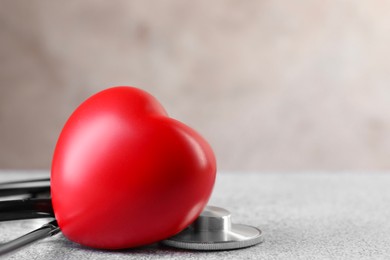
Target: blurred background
[{"x": 272, "y": 85}]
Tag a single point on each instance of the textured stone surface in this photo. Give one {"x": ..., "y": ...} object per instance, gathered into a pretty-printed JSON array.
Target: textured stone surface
[
  {"x": 273, "y": 85},
  {"x": 302, "y": 215}
]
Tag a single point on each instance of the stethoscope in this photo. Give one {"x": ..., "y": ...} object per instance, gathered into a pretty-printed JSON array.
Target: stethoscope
[{"x": 212, "y": 230}]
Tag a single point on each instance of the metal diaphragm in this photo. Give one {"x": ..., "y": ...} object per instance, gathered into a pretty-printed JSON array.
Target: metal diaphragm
[{"x": 213, "y": 230}]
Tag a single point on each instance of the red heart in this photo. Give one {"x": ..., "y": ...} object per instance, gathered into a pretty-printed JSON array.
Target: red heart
[{"x": 124, "y": 174}]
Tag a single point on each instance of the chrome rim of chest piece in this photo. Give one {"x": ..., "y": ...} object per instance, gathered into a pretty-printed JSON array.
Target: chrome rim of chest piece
[{"x": 213, "y": 230}]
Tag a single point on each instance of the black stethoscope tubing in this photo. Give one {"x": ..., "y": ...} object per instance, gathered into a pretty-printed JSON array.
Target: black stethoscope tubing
[
  {"x": 33, "y": 206},
  {"x": 33, "y": 188},
  {"x": 47, "y": 230},
  {"x": 25, "y": 209}
]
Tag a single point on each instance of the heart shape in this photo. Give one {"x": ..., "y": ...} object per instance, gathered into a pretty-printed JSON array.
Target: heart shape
[{"x": 124, "y": 174}]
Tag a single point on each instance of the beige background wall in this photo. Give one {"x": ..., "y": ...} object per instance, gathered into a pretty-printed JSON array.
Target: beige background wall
[{"x": 273, "y": 85}]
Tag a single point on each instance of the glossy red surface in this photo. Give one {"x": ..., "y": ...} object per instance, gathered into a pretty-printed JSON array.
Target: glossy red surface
[{"x": 124, "y": 174}]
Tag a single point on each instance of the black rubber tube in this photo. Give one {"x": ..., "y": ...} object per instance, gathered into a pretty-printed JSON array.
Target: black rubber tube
[
  {"x": 32, "y": 187},
  {"x": 25, "y": 209},
  {"x": 47, "y": 230}
]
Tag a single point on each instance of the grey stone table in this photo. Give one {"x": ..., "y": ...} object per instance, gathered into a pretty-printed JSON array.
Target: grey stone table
[{"x": 303, "y": 216}]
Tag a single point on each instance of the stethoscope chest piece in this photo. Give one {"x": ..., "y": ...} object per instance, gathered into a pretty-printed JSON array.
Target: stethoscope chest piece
[{"x": 213, "y": 230}]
